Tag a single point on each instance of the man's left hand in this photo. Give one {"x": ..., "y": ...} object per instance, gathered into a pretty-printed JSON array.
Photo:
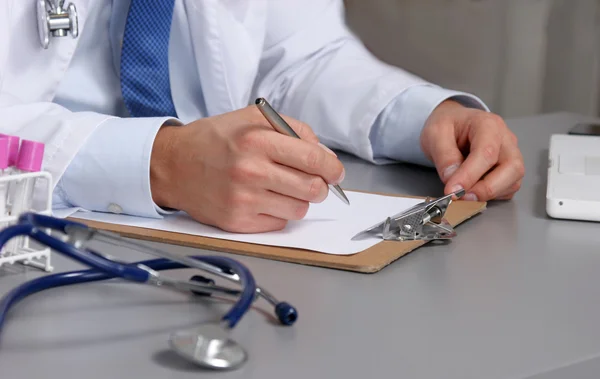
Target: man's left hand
[{"x": 473, "y": 150}]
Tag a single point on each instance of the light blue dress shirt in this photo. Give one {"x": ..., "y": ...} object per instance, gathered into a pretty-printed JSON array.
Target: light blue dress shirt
[{"x": 111, "y": 172}]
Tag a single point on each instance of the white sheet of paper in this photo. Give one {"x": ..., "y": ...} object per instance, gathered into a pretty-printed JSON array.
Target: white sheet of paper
[{"x": 327, "y": 228}]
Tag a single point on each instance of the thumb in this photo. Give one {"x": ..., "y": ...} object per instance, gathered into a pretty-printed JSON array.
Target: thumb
[{"x": 439, "y": 143}]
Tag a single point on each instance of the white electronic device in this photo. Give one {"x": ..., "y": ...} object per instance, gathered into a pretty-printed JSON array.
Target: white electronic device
[{"x": 573, "y": 188}]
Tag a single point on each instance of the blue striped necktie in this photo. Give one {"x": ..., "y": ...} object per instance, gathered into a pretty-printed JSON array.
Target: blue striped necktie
[{"x": 145, "y": 83}]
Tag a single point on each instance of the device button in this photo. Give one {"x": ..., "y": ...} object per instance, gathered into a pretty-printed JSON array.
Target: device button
[
  {"x": 592, "y": 165},
  {"x": 571, "y": 164}
]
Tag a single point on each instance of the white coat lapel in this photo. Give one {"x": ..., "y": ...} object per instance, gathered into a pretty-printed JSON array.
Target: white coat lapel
[
  {"x": 227, "y": 39},
  {"x": 27, "y": 61}
]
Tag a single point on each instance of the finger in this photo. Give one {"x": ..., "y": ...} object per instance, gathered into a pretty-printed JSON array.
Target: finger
[
  {"x": 506, "y": 197},
  {"x": 283, "y": 207},
  {"x": 303, "y": 130},
  {"x": 260, "y": 223},
  {"x": 445, "y": 154},
  {"x": 237, "y": 210},
  {"x": 265, "y": 223},
  {"x": 510, "y": 193},
  {"x": 306, "y": 133},
  {"x": 502, "y": 180},
  {"x": 296, "y": 184},
  {"x": 306, "y": 157},
  {"x": 244, "y": 222},
  {"x": 484, "y": 154}
]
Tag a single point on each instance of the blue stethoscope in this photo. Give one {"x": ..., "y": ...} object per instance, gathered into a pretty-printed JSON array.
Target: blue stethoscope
[{"x": 208, "y": 345}]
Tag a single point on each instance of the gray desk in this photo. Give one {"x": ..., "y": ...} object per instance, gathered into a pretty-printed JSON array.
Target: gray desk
[{"x": 515, "y": 295}]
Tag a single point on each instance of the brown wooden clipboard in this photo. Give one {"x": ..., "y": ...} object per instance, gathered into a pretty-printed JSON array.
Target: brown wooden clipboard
[{"x": 367, "y": 261}]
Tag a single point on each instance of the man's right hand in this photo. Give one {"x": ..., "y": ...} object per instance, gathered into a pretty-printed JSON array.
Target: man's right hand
[{"x": 235, "y": 172}]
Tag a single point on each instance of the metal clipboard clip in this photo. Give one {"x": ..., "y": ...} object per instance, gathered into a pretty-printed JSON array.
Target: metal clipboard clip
[{"x": 422, "y": 222}]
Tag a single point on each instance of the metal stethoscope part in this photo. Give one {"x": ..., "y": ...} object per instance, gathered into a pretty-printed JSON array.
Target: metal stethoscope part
[{"x": 56, "y": 20}]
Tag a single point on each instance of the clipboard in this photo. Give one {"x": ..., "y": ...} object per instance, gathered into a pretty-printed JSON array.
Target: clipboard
[{"x": 369, "y": 261}]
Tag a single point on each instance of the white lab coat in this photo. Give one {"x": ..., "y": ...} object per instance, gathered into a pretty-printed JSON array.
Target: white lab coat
[{"x": 296, "y": 53}]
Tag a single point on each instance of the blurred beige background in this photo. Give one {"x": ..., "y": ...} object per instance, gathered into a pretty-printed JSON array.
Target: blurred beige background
[{"x": 522, "y": 57}]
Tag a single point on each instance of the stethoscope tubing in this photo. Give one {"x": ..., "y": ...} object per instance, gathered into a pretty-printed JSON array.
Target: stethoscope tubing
[
  {"x": 38, "y": 221},
  {"x": 77, "y": 277},
  {"x": 31, "y": 224},
  {"x": 127, "y": 272},
  {"x": 286, "y": 313},
  {"x": 133, "y": 273}
]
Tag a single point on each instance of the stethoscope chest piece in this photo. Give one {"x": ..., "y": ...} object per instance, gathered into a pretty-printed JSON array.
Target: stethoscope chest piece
[
  {"x": 209, "y": 346},
  {"x": 56, "y": 20}
]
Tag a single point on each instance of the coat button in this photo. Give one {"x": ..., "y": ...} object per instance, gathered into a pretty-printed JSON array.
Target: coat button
[{"x": 115, "y": 208}]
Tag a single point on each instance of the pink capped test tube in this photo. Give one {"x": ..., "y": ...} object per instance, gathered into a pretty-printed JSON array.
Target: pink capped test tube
[
  {"x": 3, "y": 172},
  {"x": 13, "y": 151},
  {"x": 13, "y": 155},
  {"x": 3, "y": 154},
  {"x": 29, "y": 159}
]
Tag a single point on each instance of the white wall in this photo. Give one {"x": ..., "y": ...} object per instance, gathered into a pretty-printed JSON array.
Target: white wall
[
  {"x": 521, "y": 57},
  {"x": 572, "y": 64}
]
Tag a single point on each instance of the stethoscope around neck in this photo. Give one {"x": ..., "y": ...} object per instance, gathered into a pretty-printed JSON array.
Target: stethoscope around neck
[{"x": 56, "y": 20}]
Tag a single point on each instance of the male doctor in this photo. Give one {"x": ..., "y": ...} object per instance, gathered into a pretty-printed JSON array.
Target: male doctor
[{"x": 149, "y": 110}]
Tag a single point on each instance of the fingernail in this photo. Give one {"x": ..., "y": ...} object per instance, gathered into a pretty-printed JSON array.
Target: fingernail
[
  {"x": 449, "y": 171},
  {"x": 341, "y": 179},
  {"x": 470, "y": 197},
  {"x": 327, "y": 149},
  {"x": 455, "y": 188}
]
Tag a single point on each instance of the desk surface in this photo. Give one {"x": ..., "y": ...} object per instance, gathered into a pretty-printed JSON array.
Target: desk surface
[{"x": 515, "y": 295}]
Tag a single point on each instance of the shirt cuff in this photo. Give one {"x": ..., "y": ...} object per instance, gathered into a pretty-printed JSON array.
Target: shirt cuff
[
  {"x": 396, "y": 133},
  {"x": 111, "y": 171}
]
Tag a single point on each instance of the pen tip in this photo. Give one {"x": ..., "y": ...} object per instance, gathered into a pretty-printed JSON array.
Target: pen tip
[
  {"x": 339, "y": 193},
  {"x": 344, "y": 198}
]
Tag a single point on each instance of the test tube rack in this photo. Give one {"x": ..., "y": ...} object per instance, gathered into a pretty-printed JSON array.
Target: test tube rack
[{"x": 21, "y": 249}]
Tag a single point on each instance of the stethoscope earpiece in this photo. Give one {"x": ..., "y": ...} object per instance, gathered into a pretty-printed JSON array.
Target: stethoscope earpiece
[{"x": 55, "y": 20}]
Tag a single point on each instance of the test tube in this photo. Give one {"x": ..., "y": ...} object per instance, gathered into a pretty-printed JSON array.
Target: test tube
[
  {"x": 13, "y": 151},
  {"x": 3, "y": 172},
  {"x": 13, "y": 155},
  {"x": 29, "y": 159}
]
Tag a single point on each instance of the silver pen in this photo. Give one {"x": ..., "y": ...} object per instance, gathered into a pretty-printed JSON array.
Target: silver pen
[{"x": 282, "y": 127}]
